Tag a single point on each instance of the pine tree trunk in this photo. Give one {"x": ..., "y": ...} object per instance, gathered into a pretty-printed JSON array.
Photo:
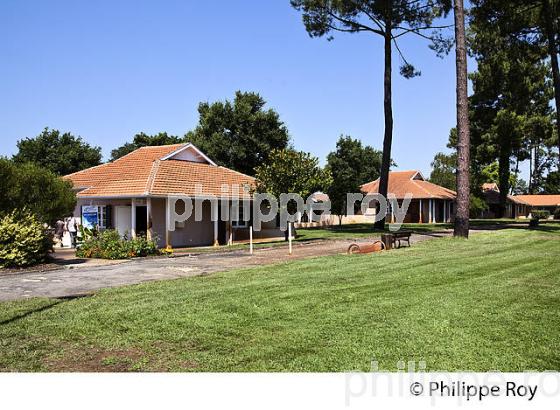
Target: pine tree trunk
[
  {"x": 553, "y": 54},
  {"x": 511, "y": 188},
  {"x": 463, "y": 132},
  {"x": 388, "y": 110},
  {"x": 503, "y": 177},
  {"x": 531, "y": 172},
  {"x": 536, "y": 171}
]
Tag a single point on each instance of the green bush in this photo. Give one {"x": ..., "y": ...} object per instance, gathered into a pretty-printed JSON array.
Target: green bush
[
  {"x": 23, "y": 240},
  {"x": 540, "y": 214},
  {"x": 109, "y": 245},
  {"x": 557, "y": 213},
  {"x": 477, "y": 206},
  {"x": 36, "y": 189}
]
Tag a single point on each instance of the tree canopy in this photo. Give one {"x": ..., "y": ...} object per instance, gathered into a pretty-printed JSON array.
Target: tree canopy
[
  {"x": 61, "y": 153},
  {"x": 241, "y": 134},
  {"x": 289, "y": 171},
  {"x": 41, "y": 191},
  {"x": 351, "y": 165},
  {"x": 444, "y": 168},
  {"x": 396, "y": 19},
  {"x": 533, "y": 23},
  {"x": 552, "y": 183},
  {"x": 144, "y": 140}
]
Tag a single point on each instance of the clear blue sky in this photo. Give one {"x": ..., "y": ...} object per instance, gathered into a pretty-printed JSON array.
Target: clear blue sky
[{"x": 106, "y": 70}]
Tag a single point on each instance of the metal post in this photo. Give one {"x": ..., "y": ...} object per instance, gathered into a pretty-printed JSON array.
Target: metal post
[
  {"x": 251, "y": 239},
  {"x": 290, "y": 237}
]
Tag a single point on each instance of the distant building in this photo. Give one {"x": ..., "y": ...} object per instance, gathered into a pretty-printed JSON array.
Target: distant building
[
  {"x": 430, "y": 203},
  {"x": 517, "y": 206},
  {"x": 523, "y": 205}
]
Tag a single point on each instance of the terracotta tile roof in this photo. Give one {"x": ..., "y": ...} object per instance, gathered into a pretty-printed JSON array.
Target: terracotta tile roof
[
  {"x": 143, "y": 173},
  {"x": 403, "y": 182},
  {"x": 182, "y": 177},
  {"x": 490, "y": 186},
  {"x": 320, "y": 197},
  {"x": 536, "y": 200}
]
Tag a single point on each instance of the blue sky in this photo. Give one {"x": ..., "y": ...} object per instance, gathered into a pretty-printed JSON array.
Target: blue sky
[{"x": 106, "y": 70}]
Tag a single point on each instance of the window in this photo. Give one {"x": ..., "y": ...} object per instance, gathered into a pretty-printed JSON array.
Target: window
[
  {"x": 96, "y": 216},
  {"x": 102, "y": 217}
]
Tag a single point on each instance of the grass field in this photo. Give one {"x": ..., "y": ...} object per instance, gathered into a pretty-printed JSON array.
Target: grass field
[{"x": 489, "y": 303}]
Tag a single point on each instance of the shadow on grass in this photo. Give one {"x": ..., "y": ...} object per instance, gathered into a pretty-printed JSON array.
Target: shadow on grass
[
  {"x": 53, "y": 303},
  {"x": 547, "y": 228}
]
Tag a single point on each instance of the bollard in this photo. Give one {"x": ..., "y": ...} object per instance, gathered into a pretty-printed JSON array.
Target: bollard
[
  {"x": 251, "y": 240},
  {"x": 290, "y": 238}
]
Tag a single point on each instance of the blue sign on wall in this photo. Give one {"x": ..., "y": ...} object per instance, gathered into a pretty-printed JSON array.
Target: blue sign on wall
[{"x": 90, "y": 217}]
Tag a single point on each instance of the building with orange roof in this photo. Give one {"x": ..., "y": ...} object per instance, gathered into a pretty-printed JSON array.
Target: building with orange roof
[
  {"x": 430, "y": 203},
  {"x": 523, "y": 205},
  {"x": 517, "y": 206},
  {"x": 132, "y": 194}
]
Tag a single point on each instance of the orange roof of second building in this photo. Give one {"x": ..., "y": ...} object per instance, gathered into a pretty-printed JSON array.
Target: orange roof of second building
[
  {"x": 410, "y": 182},
  {"x": 537, "y": 200},
  {"x": 159, "y": 171}
]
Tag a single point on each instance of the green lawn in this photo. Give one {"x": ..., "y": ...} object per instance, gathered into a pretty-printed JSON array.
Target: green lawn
[{"x": 489, "y": 303}]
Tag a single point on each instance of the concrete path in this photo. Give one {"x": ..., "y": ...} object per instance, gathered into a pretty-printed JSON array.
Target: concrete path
[{"x": 80, "y": 279}]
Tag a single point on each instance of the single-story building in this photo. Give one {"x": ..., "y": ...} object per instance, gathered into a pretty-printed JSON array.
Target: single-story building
[
  {"x": 131, "y": 195},
  {"x": 517, "y": 206},
  {"x": 523, "y": 205},
  {"x": 430, "y": 203}
]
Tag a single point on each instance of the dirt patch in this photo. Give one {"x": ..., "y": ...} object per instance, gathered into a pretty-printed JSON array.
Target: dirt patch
[{"x": 95, "y": 360}]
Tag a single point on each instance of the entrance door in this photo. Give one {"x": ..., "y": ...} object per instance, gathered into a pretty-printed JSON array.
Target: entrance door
[
  {"x": 141, "y": 220},
  {"x": 123, "y": 220}
]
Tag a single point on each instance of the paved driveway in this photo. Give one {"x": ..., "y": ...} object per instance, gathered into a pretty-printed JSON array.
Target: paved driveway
[{"x": 79, "y": 280}]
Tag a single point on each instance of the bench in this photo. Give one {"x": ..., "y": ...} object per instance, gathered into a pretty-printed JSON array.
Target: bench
[{"x": 401, "y": 236}]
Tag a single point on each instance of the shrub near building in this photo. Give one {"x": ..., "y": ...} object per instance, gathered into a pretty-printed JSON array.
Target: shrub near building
[
  {"x": 31, "y": 197},
  {"x": 34, "y": 188},
  {"x": 23, "y": 240},
  {"x": 110, "y": 245}
]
